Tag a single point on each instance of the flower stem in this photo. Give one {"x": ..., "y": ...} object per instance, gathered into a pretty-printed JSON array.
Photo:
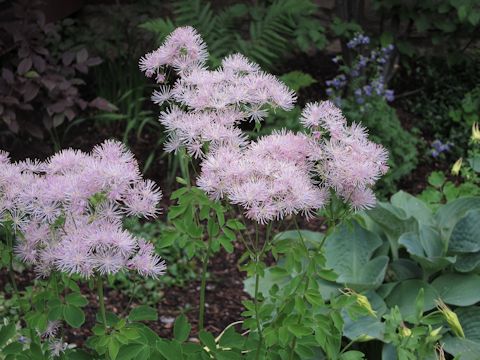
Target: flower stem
[
  {"x": 101, "y": 300},
  {"x": 258, "y": 258},
  {"x": 11, "y": 273},
  {"x": 203, "y": 285}
]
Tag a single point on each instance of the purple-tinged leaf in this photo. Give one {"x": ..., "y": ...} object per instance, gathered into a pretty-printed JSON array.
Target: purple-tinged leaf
[
  {"x": 58, "y": 107},
  {"x": 68, "y": 57},
  {"x": 39, "y": 63},
  {"x": 94, "y": 61},
  {"x": 30, "y": 92},
  {"x": 82, "y": 56},
  {"x": 58, "y": 119},
  {"x": 102, "y": 104},
  {"x": 10, "y": 100},
  {"x": 83, "y": 68},
  {"x": 41, "y": 50},
  {"x": 48, "y": 83},
  {"x": 70, "y": 114},
  {"x": 7, "y": 74},
  {"x": 34, "y": 130},
  {"x": 24, "y": 66},
  {"x": 82, "y": 104},
  {"x": 47, "y": 122},
  {"x": 25, "y": 106}
]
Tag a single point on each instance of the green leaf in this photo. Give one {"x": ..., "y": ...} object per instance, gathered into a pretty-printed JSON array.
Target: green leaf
[
  {"x": 426, "y": 248},
  {"x": 413, "y": 207},
  {"x": 365, "y": 327},
  {"x": 113, "y": 348},
  {"x": 349, "y": 251},
  {"x": 208, "y": 340},
  {"x": 231, "y": 339},
  {"x": 226, "y": 243},
  {"x": 299, "y": 330},
  {"x": 76, "y": 299},
  {"x": 181, "y": 328},
  {"x": 463, "y": 349},
  {"x": 129, "y": 351},
  {"x": 448, "y": 215},
  {"x": 468, "y": 348},
  {"x": 458, "y": 289},
  {"x": 405, "y": 294},
  {"x": 352, "y": 355},
  {"x": 143, "y": 313},
  {"x": 297, "y": 80},
  {"x": 465, "y": 236},
  {"x": 12, "y": 348},
  {"x": 73, "y": 315},
  {"x": 422, "y": 22},
  {"x": 6, "y": 333},
  {"x": 467, "y": 262},
  {"x": 170, "y": 350},
  {"x": 437, "y": 179},
  {"x": 386, "y": 38}
]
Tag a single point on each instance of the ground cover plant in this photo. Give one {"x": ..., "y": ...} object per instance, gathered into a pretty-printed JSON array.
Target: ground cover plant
[{"x": 280, "y": 230}]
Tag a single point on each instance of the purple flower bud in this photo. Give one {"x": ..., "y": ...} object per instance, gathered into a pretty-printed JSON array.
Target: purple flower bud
[
  {"x": 389, "y": 95},
  {"x": 367, "y": 89}
]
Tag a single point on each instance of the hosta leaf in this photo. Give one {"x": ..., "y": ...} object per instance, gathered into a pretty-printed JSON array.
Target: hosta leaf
[
  {"x": 413, "y": 207},
  {"x": 405, "y": 294},
  {"x": 465, "y": 236},
  {"x": 447, "y": 216},
  {"x": 349, "y": 250},
  {"x": 467, "y": 262},
  {"x": 458, "y": 289},
  {"x": 469, "y": 347}
]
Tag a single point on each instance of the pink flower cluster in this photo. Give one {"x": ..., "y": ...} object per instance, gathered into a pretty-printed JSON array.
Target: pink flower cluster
[
  {"x": 67, "y": 212},
  {"x": 277, "y": 175},
  {"x": 348, "y": 162},
  {"x": 206, "y": 106},
  {"x": 270, "y": 178}
]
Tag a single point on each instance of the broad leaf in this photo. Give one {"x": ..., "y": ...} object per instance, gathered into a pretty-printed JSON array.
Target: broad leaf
[
  {"x": 73, "y": 315},
  {"x": 465, "y": 236},
  {"x": 458, "y": 289},
  {"x": 405, "y": 294},
  {"x": 349, "y": 250},
  {"x": 447, "y": 216}
]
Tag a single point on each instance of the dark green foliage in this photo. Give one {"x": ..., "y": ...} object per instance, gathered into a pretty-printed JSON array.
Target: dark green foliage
[
  {"x": 439, "y": 93},
  {"x": 450, "y": 25},
  {"x": 263, "y": 32}
]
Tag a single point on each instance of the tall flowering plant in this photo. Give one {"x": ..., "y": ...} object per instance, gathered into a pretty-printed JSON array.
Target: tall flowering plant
[
  {"x": 329, "y": 168},
  {"x": 63, "y": 216}
]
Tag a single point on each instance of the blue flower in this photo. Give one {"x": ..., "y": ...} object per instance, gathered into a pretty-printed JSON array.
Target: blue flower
[{"x": 389, "y": 95}]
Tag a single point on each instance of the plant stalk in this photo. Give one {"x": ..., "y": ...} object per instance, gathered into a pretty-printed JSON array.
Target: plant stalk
[
  {"x": 11, "y": 273},
  {"x": 101, "y": 301},
  {"x": 201, "y": 315}
]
